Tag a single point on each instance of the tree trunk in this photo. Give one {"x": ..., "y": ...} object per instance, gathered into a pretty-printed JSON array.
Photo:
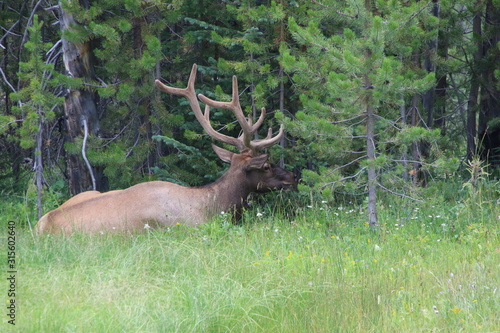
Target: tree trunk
[
  {"x": 370, "y": 154},
  {"x": 372, "y": 174},
  {"x": 39, "y": 168},
  {"x": 428, "y": 96},
  {"x": 80, "y": 104},
  {"x": 404, "y": 153},
  {"x": 439, "y": 120},
  {"x": 416, "y": 145},
  {"x": 472, "y": 104},
  {"x": 145, "y": 129},
  {"x": 489, "y": 116},
  {"x": 282, "y": 110}
]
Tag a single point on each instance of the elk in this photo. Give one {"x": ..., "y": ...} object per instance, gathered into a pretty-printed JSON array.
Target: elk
[{"x": 158, "y": 203}]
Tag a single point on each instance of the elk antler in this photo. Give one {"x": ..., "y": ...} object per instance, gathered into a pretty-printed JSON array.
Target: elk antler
[{"x": 244, "y": 141}]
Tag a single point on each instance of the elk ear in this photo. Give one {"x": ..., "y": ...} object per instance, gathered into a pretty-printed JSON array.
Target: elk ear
[
  {"x": 224, "y": 155},
  {"x": 257, "y": 162}
]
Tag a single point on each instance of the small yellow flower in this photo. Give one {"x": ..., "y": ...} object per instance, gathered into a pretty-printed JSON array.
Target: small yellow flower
[
  {"x": 323, "y": 260},
  {"x": 177, "y": 223},
  {"x": 256, "y": 263},
  {"x": 268, "y": 253},
  {"x": 456, "y": 310}
]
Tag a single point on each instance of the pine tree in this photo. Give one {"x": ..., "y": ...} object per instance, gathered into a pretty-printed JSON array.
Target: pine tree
[
  {"x": 36, "y": 101},
  {"x": 354, "y": 77}
]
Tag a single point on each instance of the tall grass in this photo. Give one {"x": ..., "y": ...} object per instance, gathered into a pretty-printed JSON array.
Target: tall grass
[{"x": 431, "y": 267}]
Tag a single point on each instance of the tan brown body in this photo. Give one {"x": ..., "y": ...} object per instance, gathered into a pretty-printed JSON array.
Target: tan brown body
[{"x": 157, "y": 203}]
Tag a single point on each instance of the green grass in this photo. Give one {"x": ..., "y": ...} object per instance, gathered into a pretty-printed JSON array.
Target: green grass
[{"x": 428, "y": 269}]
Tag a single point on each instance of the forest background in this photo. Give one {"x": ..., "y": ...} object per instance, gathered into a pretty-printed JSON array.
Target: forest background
[{"x": 377, "y": 97}]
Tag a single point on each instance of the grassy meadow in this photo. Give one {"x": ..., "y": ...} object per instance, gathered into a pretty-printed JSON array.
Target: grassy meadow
[{"x": 431, "y": 267}]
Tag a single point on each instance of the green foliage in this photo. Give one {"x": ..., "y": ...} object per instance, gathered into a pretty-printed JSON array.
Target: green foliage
[
  {"x": 307, "y": 63},
  {"x": 350, "y": 67},
  {"x": 36, "y": 101},
  {"x": 187, "y": 166}
]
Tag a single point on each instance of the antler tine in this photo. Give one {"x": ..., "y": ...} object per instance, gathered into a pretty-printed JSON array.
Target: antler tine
[
  {"x": 186, "y": 92},
  {"x": 235, "y": 107},
  {"x": 203, "y": 118},
  {"x": 259, "y": 121},
  {"x": 219, "y": 136},
  {"x": 257, "y": 145},
  {"x": 246, "y": 125}
]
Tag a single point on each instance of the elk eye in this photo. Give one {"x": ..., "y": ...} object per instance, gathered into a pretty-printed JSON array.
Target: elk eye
[{"x": 266, "y": 167}]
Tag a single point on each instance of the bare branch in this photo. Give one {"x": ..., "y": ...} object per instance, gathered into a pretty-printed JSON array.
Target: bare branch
[
  {"x": 398, "y": 194},
  {"x": 343, "y": 166},
  {"x": 346, "y": 120},
  {"x": 7, "y": 81},
  {"x": 345, "y": 178},
  {"x": 84, "y": 155},
  {"x": 52, "y": 8}
]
